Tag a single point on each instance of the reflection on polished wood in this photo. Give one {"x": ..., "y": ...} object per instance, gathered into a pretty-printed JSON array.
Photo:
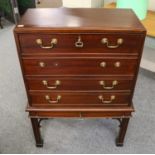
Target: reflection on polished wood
[{"x": 148, "y": 22}]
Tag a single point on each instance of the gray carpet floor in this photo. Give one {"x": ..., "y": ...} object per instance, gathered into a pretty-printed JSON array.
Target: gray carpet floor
[{"x": 68, "y": 135}]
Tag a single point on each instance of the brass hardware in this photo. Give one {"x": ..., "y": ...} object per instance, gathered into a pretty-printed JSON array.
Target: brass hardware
[
  {"x": 114, "y": 83},
  {"x": 57, "y": 83},
  {"x": 20, "y": 25},
  {"x": 42, "y": 64},
  {"x": 104, "y": 101},
  {"x": 79, "y": 43},
  {"x": 117, "y": 64},
  {"x": 106, "y": 41},
  {"x": 47, "y": 97},
  {"x": 54, "y": 41},
  {"x": 103, "y": 64}
]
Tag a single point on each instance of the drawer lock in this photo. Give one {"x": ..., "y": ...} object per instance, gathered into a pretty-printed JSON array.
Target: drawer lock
[{"x": 79, "y": 43}]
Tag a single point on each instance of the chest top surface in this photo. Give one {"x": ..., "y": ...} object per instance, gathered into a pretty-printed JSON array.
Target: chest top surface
[{"x": 97, "y": 19}]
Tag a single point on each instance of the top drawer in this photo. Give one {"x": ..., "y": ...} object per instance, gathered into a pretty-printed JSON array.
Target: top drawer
[{"x": 79, "y": 43}]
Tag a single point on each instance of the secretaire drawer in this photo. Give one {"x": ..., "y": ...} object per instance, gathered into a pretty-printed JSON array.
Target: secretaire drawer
[
  {"x": 79, "y": 43},
  {"x": 79, "y": 66},
  {"x": 81, "y": 84},
  {"x": 76, "y": 98}
]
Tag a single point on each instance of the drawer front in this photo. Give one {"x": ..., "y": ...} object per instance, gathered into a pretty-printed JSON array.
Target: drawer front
[
  {"x": 76, "y": 98},
  {"x": 80, "y": 66},
  {"x": 83, "y": 84},
  {"x": 75, "y": 43},
  {"x": 92, "y": 114},
  {"x": 55, "y": 114}
]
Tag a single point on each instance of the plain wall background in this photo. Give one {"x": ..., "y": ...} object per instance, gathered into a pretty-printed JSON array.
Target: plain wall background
[
  {"x": 49, "y": 3},
  {"x": 70, "y": 3},
  {"x": 58, "y": 3},
  {"x": 83, "y": 3},
  {"x": 151, "y": 3}
]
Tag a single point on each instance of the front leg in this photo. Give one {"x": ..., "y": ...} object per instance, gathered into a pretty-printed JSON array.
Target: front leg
[
  {"x": 123, "y": 128},
  {"x": 36, "y": 131}
]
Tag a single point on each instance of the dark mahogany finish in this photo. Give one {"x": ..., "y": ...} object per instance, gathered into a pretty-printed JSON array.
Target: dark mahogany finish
[
  {"x": 91, "y": 42},
  {"x": 86, "y": 66},
  {"x": 87, "y": 83},
  {"x": 70, "y": 98},
  {"x": 80, "y": 63}
]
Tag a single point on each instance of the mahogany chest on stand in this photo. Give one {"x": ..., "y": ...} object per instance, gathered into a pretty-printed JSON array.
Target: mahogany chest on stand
[{"x": 79, "y": 63}]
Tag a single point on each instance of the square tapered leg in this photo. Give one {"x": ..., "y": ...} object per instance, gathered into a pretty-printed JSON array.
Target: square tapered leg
[
  {"x": 36, "y": 131},
  {"x": 122, "y": 132}
]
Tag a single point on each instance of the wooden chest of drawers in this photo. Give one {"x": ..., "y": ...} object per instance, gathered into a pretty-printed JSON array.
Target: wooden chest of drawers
[{"x": 79, "y": 63}]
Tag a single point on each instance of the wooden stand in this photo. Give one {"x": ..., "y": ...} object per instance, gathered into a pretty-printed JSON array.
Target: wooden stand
[{"x": 119, "y": 140}]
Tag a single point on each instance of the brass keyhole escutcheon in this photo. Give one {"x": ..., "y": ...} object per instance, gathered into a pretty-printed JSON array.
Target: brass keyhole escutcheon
[{"x": 79, "y": 43}]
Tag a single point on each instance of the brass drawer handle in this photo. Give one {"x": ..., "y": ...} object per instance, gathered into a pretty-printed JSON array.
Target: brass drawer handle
[
  {"x": 79, "y": 43},
  {"x": 117, "y": 64},
  {"x": 40, "y": 43},
  {"x": 47, "y": 97},
  {"x": 114, "y": 83},
  {"x": 56, "y": 84},
  {"x": 106, "y": 41},
  {"x": 106, "y": 102},
  {"x": 103, "y": 64},
  {"x": 42, "y": 64}
]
